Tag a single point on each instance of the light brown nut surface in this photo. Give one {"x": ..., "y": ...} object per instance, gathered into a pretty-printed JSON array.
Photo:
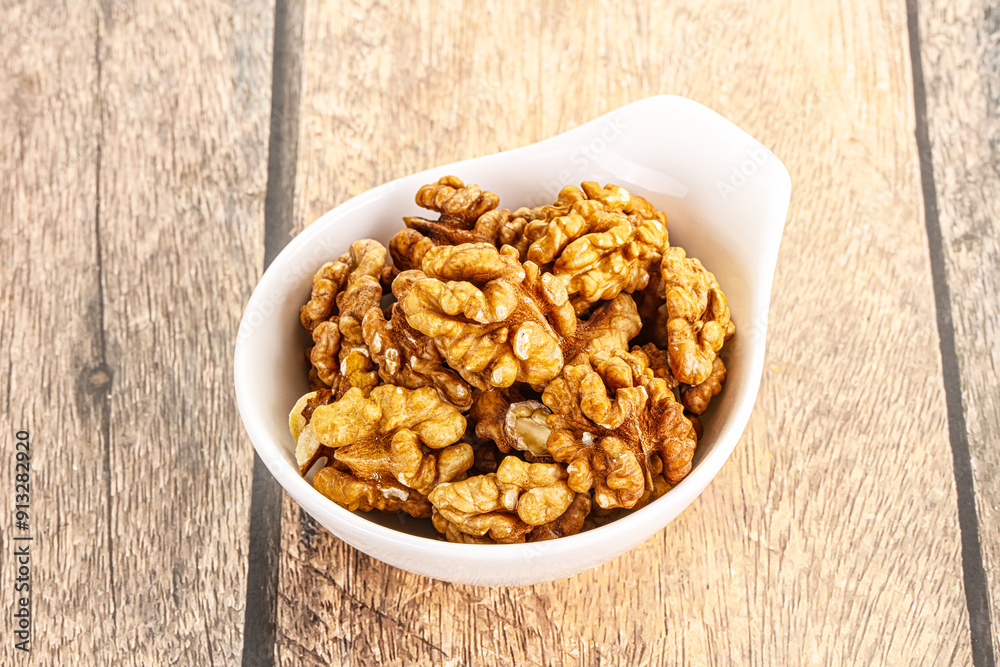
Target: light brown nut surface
[
  {"x": 658, "y": 361},
  {"x": 603, "y": 245},
  {"x": 327, "y": 283},
  {"x": 608, "y": 419},
  {"x": 407, "y": 248},
  {"x": 343, "y": 291},
  {"x": 365, "y": 258},
  {"x": 353, "y": 493},
  {"x": 506, "y": 504},
  {"x": 698, "y": 320},
  {"x": 460, "y": 205},
  {"x": 569, "y": 523},
  {"x": 407, "y": 358},
  {"x": 387, "y": 411},
  {"x": 452, "y": 532},
  {"x": 515, "y": 233},
  {"x": 307, "y": 448},
  {"x": 447, "y": 231},
  {"x": 494, "y": 320},
  {"x": 697, "y": 397},
  {"x": 325, "y": 352},
  {"x": 617, "y": 198},
  {"x": 394, "y": 441},
  {"x": 467, "y": 215},
  {"x": 524, "y": 226},
  {"x": 608, "y": 329},
  {"x": 512, "y": 422}
]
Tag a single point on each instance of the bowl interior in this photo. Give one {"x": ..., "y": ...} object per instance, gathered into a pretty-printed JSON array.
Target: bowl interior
[{"x": 725, "y": 197}]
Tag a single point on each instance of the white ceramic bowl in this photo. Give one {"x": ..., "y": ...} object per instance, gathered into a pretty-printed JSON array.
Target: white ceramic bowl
[{"x": 725, "y": 197}]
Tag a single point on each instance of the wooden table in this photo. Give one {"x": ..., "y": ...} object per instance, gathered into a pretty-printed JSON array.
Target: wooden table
[{"x": 155, "y": 156}]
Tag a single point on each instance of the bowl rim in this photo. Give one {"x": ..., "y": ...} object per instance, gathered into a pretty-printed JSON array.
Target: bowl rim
[{"x": 661, "y": 511}]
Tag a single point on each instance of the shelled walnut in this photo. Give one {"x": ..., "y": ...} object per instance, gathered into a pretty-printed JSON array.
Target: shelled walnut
[
  {"x": 507, "y": 504},
  {"x": 384, "y": 448},
  {"x": 512, "y": 422},
  {"x": 494, "y": 320},
  {"x": 608, "y": 419},
  {"x": 516, "y": 374},
  {"x": 698, "y": 319},
  {"x": 467, "y": 215},
  {"x": 604, "y": 244},
  {"x": 342, "y": 292}
]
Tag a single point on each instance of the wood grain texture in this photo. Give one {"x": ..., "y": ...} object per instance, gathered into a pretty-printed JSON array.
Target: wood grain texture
[
  {"x": 831, "y": 536},
  {"x": 961, "y": 59},
  {"x": 186, "y": 99},
  {"x": 50, "y": 332}
]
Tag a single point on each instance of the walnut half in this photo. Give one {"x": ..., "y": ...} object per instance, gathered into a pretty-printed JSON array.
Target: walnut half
[
  {"x": 504, "y": 505},
  {"x": 609, "y": 418},
  {"x": 386, "y": 451},
  {"x": 698, "y": 320},
  {"x": 494, "y": 320}
]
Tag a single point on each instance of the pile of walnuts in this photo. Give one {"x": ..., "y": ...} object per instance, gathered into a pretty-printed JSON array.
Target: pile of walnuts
[{"x": 512, "y": 375}]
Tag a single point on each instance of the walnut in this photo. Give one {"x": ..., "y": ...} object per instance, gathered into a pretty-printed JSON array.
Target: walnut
[
  {"x": 395, "y": 442},
  {"x": 453, "y": 532},
  {"x": 494, "y": 320},
  {"x": 468, "y": 215},
  {"x": 608, "y": 419},
  {"x": 618, "y": 198},
  {"x": 698, "y": 320},
  {"x": 325, "y": 353},
  {"x": 658, "y": 361},
  {"x": 353, "y": 493},
  {"x": 460, "y": 205},
  {"x": 447, "y": 232},
  {"x": 608, "y": 329},
  {"x": 507, "y": 504},
  {"x": 600, "y": 516},
  {"x": 365, "y": 258},
  {"x": 569, "y": 523},
  {"x": 327, "y": 283},
  {"x": 696, "y": 398},
  {"x": 603, "y": 245},
  {"x": 514, "y": 232},
  {"x": 407, "y": 358},
  {"x": 407, "y": 248},
  {"x": 527, "y": 225},
  {"x": 512, "y": 422},
  {"x": 343, "y": 291}
]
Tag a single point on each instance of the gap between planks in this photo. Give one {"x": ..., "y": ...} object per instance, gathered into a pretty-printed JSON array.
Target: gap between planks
[
  {"x": 973, "y": 569},
  {"x": 260, "y": 628}
]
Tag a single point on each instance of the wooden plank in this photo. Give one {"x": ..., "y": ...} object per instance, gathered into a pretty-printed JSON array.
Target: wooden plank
[
  {"x": 51, "y": 380},
  {"x": 831, "y": 536},
  {"x": 962, "y": 72},
  {"x": 185, "y": 94}
]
